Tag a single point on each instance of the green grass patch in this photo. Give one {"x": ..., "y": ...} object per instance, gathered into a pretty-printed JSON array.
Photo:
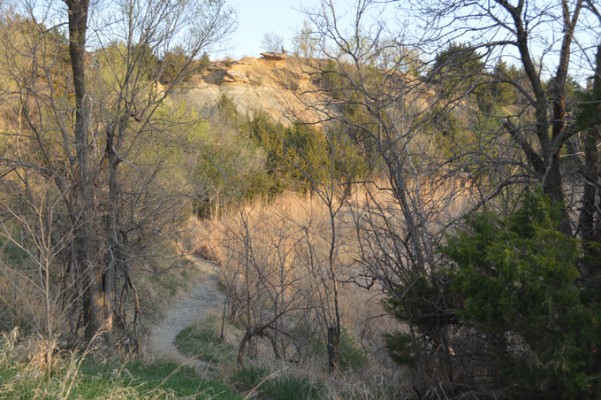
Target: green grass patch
[
  {"x": 71, "y": 380},
  {"x": 351, "y": 355},
  {"x": 75, "y": 378},
  {"x": 286, "y": 387},
  {"x": 168, "y": 376},
  {"x": 199, "y": 340},
  {"x": 247, "y": 378},
  {"x": 292, "y": 388}
]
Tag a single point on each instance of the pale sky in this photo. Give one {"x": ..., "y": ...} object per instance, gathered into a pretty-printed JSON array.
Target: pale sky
[{"x": 258, "y": 17}]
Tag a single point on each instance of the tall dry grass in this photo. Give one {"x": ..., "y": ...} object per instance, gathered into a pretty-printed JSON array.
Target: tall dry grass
[
  {"x": 270, "y": 253},
  {"x": 292, "y": 235}
]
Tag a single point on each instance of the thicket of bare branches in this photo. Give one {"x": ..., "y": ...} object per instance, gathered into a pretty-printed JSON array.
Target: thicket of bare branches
[
  {"x": 288, "y": 281},
  {"x": 442, "y": 130},
  {"x": 88, "y": 142}
]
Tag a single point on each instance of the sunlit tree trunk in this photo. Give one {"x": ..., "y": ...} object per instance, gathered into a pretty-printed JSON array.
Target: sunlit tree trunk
[{"x": 93, "y": 285}]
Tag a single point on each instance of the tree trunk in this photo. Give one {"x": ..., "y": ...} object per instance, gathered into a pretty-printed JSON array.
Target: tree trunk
[
  {"x": 114, "y": 251},
  {"x": 93, "y": 278},
  {"x": 333, "y": 342},
  {"x": 553, "y": 187},
  {"x": 242, "y": 348},
  {"x": 590, "y": 218}
]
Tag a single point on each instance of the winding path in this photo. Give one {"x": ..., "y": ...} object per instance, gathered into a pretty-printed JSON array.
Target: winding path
[{"x": 199, "y": 301}]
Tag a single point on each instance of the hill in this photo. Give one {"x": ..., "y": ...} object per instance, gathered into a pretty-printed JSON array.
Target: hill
[{"x": 283, "y": 88}]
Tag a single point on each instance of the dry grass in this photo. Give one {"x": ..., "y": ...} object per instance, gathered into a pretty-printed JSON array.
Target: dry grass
[
  {"x": 373, "y": 382},
  {"x": 293, "y": 234},
  {"x": 288, "y": 232}
]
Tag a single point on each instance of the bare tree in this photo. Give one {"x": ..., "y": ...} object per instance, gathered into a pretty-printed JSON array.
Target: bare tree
[
  {"x": 304, "y": 41},
  {"x": 385, "y": 99},
  {"x": 370, "y": 76},
  {"x": 546, "y": 122},
  {"x": 373, "y": 79},
  {"x": 30, "y": 226},
  {"x": 324, "y": 242},
  {"x": 272, "y": 42},
  {"x": 263, "y": 287},
  {"x": 86, "y": 131}
]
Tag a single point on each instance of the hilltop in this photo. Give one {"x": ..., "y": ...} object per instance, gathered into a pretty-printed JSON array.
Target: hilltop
[{"x": 279, "y": 87}]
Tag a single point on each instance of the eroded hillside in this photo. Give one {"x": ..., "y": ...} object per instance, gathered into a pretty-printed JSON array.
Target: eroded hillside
[{"x": 283, "y": 88}]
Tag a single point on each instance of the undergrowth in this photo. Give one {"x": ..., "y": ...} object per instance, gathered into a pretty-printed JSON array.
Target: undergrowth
[
  {"x": 269, "y": 381},
  {"x": 351, "y": 355},
  {"x": 202, "y": 341}
]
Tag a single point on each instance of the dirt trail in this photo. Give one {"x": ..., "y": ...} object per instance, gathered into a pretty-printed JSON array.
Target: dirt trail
[{"x": 199, "y": 301}]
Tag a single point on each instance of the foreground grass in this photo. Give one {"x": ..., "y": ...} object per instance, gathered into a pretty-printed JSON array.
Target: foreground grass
[
  {"x": 168, "y": 377},
  {"x": 279, "y": 381},
  {"x": 77, "y": 377}
]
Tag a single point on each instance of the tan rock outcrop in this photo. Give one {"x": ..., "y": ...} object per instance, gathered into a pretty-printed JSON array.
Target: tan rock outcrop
[
  {"x": 269, "y": 55},
  {"x": 232, "y": 76}
]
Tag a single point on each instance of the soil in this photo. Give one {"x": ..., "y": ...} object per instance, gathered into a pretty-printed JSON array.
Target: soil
[{"x": 202, "y": 299}]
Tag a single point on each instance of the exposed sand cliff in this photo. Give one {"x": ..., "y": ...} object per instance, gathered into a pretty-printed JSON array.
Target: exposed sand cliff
[{"x": 282, "y": 88}]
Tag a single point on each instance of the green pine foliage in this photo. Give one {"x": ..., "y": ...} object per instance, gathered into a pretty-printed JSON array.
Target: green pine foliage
[
  {"x": 230, "y": 158},
  {"x": 515, "y": 281},
  {"x": 176, "y": 65},
  {"x": 456, "y": 70},
  {"x": 518, "y": 280}
]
